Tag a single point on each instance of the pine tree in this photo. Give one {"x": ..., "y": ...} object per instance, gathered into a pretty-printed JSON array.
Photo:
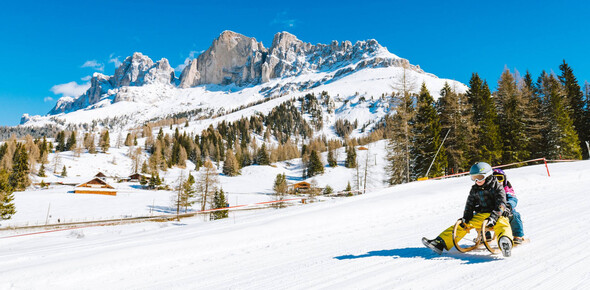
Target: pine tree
[
  {"x": 350, "y": 157},
  {"x": 230, "y": 165},
  {"x": 219, "y": 201},
  {"x": 315, "y": 165},
  {"x": 144, "y": 168},
  {"x": 33, "y": 152},
  {"x": 89, "y": 143},
  {"x": 488, "y": 143},
  {"x": 533, "y": 116},
  {"x": 427, "y": 138},
  {"x": 105, "y": 141},
  {"x": 207, "y": 182},
  {"x": 64, "y": 172},
  {"x": 129, "y": 139},
  {"x": 511, "y": 118},
  {"x": 280, "y": 188},
  {"x": 562, "y": 141},
  {"x": 60, "y": 140},
  {"x": 575, "y": 102},
  {"x": 400, "y": 137},
  {"x": 188, "y": 193},
  {"x": 262, "y": 156},
  {"x": 9, "y": 149},
  {"x": 331, "y": 160},
  {"x": 457, "y": 120},
  {"x": 19, "y": 177},
  {"x": 155, "y": 180},
  {"x": 41, "y": 172},
  {"x": 7, "y": 208},
  {"x": 348, "y": 189},
  {"x": 71, "y": 144}
]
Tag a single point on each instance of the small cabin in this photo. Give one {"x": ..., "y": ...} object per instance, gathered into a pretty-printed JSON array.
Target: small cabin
[
  {"x": 95, "y": 186},
  {"x": 136, "y": 177},
  {"x": 301, "y": 187}
]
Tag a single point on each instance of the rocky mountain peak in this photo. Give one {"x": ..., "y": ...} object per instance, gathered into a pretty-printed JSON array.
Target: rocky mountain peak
[
  {"x": 232, "y": 58},
  {"x": 237, "y": 59}
]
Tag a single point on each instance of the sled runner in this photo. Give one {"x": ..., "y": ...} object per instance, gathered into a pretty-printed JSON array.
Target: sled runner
[{"x": 474, "y": 243}]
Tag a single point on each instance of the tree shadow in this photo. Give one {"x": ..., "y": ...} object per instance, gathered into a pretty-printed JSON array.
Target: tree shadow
[
  {"x": 424, "y": 253},
  {"x": 162, "y": 209}
]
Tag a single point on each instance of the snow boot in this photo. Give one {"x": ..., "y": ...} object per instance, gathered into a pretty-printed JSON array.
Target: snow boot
[
  {"x": 519, "y": 240},
  {"x": 489, "y": 238},
  {"x": 437, "y": 245},
  {"x": 505, "y": 245}
]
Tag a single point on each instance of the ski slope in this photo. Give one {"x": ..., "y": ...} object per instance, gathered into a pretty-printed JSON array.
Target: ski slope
[{"x": 370, "y": 241}]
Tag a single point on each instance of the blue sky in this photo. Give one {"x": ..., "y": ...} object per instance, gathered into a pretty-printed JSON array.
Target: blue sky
[{"x": 50, "y": 48}]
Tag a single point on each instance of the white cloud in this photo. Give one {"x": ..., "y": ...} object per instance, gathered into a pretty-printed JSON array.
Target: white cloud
[
  {"x": 48, "y": 99},
  {"x": 187, "y": 60},
  {"x": 71, "y": 89},
  {"x": 283, "y": 20},
  {"x": 86, "y": 78},
  {"x": 115, "y": 60},
  {"x": 94, "y": 64}
]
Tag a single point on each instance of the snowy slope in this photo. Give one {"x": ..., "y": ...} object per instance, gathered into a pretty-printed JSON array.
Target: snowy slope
[{"x": 370, "y": 241}]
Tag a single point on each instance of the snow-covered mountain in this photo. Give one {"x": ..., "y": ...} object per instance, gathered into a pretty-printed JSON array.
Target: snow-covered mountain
[{"x": 235, "y": 72}]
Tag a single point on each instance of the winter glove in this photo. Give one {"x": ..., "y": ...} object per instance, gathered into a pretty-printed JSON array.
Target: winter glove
[
  {"x": 463, "y": 223},
  {"x": 506, "y": 210},
  {"x": 492, "y": 220}
]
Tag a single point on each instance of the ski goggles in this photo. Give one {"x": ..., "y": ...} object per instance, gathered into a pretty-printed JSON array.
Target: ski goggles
[
  {"x": 499, "y": 177},
  {"x": 478, "y": 177}
]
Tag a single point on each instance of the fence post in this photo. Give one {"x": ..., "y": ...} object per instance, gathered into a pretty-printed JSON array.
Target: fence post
[{"x": 545, "y": 160}]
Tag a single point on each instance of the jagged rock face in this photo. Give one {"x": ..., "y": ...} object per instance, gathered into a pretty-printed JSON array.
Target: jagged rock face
[
  {"x": 99, "y": 85},
  {"x": 136, "y": 70},
  {"x": 160, "y": 73},
  {"x": 139, "y": 69},
  {"x": 232, "y": 58},
  {"x": 190, "y": 76},
  {"x": 236, "y": 59}
]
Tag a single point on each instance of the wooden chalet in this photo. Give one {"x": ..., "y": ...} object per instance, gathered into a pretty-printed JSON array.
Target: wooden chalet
[
  {"x": 301, "y": 187},
  {"x": 136, "y": 177},
  {"x": 95, "y": 186}
]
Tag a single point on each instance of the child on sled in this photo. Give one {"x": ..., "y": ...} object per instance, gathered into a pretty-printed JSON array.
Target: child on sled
[{"x": 486, "y": 201}]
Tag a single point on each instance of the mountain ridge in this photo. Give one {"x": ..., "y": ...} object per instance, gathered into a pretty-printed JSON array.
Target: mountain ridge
[{"x": 236, "y": 71}]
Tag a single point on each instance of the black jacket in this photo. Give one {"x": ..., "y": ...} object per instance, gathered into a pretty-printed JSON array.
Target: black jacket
[{"x": 490, "y": 197}]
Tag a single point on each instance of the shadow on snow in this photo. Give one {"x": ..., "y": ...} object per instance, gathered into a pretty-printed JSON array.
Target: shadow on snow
[{"x": 424, "y": 253}]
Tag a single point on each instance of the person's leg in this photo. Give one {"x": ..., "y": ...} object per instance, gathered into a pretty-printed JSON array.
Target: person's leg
[
  {"x": 447, "y": 235},
  {"x": 516, "y": 224},
  {"x": 502, "y": 228}
]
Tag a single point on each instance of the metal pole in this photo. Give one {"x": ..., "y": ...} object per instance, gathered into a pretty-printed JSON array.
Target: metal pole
[
  {"x": 47, "y": 218},
  {"x": 441, "y": 144}
]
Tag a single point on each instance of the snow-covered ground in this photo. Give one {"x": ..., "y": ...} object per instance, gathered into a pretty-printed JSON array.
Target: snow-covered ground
[
  {"x": 255, "y": 184},
  {"x": 371, "y": 241}
]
